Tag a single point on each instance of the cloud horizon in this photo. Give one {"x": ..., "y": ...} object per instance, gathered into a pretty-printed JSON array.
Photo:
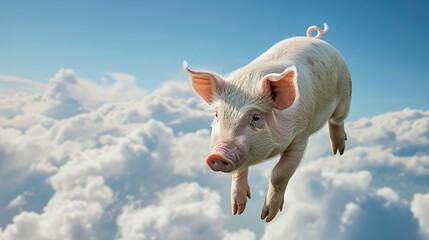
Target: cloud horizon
[{"x": 85, "y": 160}]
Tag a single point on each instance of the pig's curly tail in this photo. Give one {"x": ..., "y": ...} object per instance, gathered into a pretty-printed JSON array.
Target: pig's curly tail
[{"x": 319, "y": 31}]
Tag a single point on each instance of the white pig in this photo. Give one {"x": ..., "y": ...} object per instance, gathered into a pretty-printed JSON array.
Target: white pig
[{"x": 271, "y": 106}]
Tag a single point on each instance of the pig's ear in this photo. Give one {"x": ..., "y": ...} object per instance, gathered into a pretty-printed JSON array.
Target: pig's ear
[
  {"x": 204, "y": 83},
  {"x": 281, "y": 86}
]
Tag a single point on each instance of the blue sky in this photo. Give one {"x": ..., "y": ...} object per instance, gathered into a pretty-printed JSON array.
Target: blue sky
[
  {"x": 384, "y": 42},
  {"x": 102, "y": 138}
]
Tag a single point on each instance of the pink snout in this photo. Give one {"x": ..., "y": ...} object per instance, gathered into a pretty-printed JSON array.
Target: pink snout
[{"x": 217, "y": 162}]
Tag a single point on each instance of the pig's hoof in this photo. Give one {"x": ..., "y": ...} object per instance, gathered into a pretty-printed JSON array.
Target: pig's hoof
[
  {"x": 338, "y": 137},
  {"x": 273, "y": 203},
  {"x": 239, "y": 199}
]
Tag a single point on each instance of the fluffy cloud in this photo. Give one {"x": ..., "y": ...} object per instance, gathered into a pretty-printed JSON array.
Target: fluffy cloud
[
  {"x": 10, "y": 85},
  {"x": 239, "y": 235},
  {"x": 356, "y": 196},
  {"x": 420, "y": 209},
  {"x": 388, "y": 193},
  {"x": 352, "y": 209},
  {"x": 185, "y": 211},
  {"x": 396, "y": 139},
  {"x": 328, "y": 204},
  {"x": 17, "y": 202},
  {"x": 83, "y": 160},
  {"x": 94, "y": 159},
  {"x": 181, "y": 213},
  {"x": 124, "y": 88},
  {"x": 65, "y": 96},
  {"x": 183, "y": 160},
  {"x": 68, "y": 215}
]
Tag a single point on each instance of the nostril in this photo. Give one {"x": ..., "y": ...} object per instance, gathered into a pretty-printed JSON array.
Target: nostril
[
  {"x": 225, "y": 163},
  {"x": 211, "y": 162}
]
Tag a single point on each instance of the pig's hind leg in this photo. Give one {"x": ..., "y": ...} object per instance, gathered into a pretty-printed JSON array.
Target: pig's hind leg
[
  {"x": 336, "y": 122},
  {"x": 338, "y": 137}
]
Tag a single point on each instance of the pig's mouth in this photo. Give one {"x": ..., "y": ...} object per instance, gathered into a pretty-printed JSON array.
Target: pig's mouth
[{"x": 223, "y": 159}]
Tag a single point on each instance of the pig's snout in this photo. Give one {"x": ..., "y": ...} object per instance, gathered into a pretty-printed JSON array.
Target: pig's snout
[
  {"x": 225, "y": 157},
  {"x": 217, "y": 162}
]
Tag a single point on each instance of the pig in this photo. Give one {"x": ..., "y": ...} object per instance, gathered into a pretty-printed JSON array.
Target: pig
[{"x": 270, "y": 107}]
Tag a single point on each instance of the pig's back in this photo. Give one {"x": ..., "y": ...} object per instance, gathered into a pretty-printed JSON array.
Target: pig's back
[
  {"x": 320, "y": 66},
  {"x": 296, "y": 49}
]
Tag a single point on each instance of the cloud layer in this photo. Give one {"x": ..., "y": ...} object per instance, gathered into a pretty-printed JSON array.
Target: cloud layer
[{"x": 83, "y": 160}]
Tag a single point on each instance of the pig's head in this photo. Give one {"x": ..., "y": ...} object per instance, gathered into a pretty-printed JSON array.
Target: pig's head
[{"x": 245, "y": 129}]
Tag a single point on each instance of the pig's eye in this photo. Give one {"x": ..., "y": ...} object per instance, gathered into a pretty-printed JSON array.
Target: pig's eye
[{"x": 255, "y": 118}]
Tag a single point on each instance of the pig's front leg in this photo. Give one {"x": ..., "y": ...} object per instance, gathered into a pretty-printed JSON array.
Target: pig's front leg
[
  {"x": 280, "y": 176},
  {"x": 239, "y": 191}
]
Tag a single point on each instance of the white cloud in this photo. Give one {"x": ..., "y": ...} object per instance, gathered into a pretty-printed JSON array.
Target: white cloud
[
  {"x": 120, "y": 142},
  {"x": 324, "y": 205},
  {"x": 186, "y": 151},
  {"x": 347, "y": 217},
  {"x": 128, "y": 164},
  {"x": 174, "y": 90},
  {"x": 396, "y": 139},
  {"x": 378, "y": 150},
  {"x": 68, "y": 215},
  {"x": 420, "y": 209},
  {"x": 184, "y": 212},
  {"x": 26, "y": 226},
  {"x": 17, "y": 202},
  {"x": 66, "y": 95},
  {"x": 124, "y": 88},
  {"x": 314, "y": 203},
  {"x": 354, "y": 180},
  {"x": 20, "y": 200},
  {"x": 66, "y": 84},
  {"x": 388, "y": 193},
  {"x": 16, "y": 79},
  {"x": 240, "y": 235},
  {"x": 10, "y": 85}
]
